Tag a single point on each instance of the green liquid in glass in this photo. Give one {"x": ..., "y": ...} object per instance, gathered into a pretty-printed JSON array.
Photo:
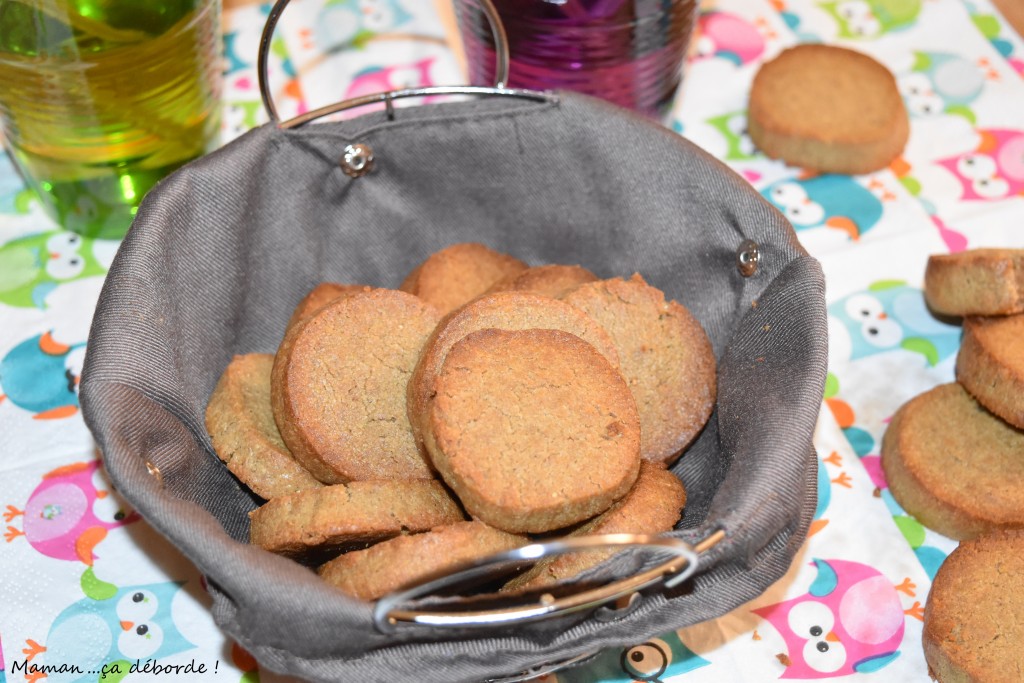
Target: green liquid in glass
[{"x": 100, "y": 99}]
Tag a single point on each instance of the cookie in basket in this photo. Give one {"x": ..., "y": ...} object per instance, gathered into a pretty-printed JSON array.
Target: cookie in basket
[
  {"x": 533, "y": 429},
  {"x": 380, "y": 569},
  {"x": 321, "y": 295},
  {"x": 241, "y": 425},
  {"x": 976, "y": 282},
  {"x": 552, "y": 280},
  {"x": 457, "y": 274},
  {"x": 827, "y": 109},
  {"x": 972, "y": 624},
  {"x": 665, "y": 356},
  {"x": 990, "y": 364},
  {"x": 504, "y": 311},
  {"x": 339, "y": 386},
  {"x": 357, "y": 512},
  {"x": 955, "y": 467},
  {"x": 652, "y": 506}
]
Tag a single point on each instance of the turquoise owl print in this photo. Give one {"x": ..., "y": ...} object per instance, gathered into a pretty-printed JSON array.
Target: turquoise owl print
[
  {"x": 108, "y": 631},
  {"x": 887, "y": 316}
]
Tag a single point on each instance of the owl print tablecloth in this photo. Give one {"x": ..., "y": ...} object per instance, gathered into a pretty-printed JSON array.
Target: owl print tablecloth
[{"x": 87, "y": 588}]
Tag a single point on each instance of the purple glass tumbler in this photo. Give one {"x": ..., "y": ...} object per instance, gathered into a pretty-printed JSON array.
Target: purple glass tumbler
[{"x": 629, "y": 52}]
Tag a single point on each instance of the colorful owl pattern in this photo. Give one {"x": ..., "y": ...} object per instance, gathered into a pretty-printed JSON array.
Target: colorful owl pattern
[{"x": 77, "y": 560}]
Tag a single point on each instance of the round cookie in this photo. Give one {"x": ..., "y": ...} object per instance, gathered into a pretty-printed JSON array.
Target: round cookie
[
  {"x": 652, "y": 506},
  {"x": 972, "y": 624},
  {"x": 827, "y": 109},
  {"x": 551, "y": 280},
  {"x": 504, "y": 311},
  {"x": 990, "y": 365},
  {"x": 357, "y": 512},
  {"x": 457, "y": 274},
  {"x": 318, "y": 297},
  {"x": 956, "y": 468},
  {"x": 976, "y": 282},
  {"x": 243, "y": 433},
  {"x": 665, "y": 356},
  {"x": 534, "y": 429},
  {"x": 339, "y": 384},
  {"x": 380, "y": 569}
]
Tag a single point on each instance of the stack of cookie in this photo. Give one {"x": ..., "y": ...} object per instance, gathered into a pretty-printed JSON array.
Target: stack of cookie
[
  {"x": 479, "y": 405},
  {"x": 954, "y": 458}
]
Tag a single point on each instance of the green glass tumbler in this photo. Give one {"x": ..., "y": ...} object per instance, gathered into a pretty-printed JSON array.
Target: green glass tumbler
[{"x": 100, "y": 99}]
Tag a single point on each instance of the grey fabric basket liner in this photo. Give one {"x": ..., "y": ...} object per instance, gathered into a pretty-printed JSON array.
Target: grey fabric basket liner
[{"x": 222, "y": 250}]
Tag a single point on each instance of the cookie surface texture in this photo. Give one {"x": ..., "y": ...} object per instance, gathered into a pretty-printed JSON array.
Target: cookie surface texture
[
  {"x": 551, "y": 280},
  {"x": 955, "y": 467},
  {"x": 457, "y": 274},
  {"x": 652, "y": 506},
  {"x": 533, "y": 429},
  {"x": 990, "y": 364},
  {"x": 827, "y": 109},
  {"x": 321, "y": 295},
  {"x": 357, "y": 512},
  {"x": 339, "y": 383},
  {"x": 503, "y": 311},
  {"x": 243, "y": 432},
  {"x": 976, "y": 282},
  {"x": 972, "y": 624},
  {"x": 372, "y": 573},
  {"x": 665, "y": 356}
]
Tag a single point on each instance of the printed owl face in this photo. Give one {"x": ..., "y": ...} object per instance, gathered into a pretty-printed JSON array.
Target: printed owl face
[
  {"x": 70, "y": 512},
  {"x": 33, "y": 266},
  {"x": 117, "y": 625},
  {"x": 865, "y": 19},
  {"x": 994, "y": 170},
  {"x": 940, "y": 83},
  {"x": 832, "y": 201},
  {"x": 851, "y": 620},
  {"x": 889, "y": 315},
  {"x": 349, "y": 21}
]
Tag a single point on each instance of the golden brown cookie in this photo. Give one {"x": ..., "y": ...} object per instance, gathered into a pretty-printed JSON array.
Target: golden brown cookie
[
  {"x": 956, "y": 468},
  {"x": 552, "y": 280},
  {"x": 976, "y": 282},
  {"x": 652, "y": 506},
  {"x": 321, "y": 295},
  {"x": 990, "y": 365},
  {"x": 372, "y": 573},
  {"x": 827, "y": 109},
  {"x": 339, "y": 383},
  {"x": 505, "y": 311},
  {"x": 533, "y": 429},
  {"x": 972, "y": 619},
  {"x": 244, "y": 435},
  {"x": 357, "y": 512},
  {"x": 665, "y": 356},
  {"x": 457, "y": 274}
]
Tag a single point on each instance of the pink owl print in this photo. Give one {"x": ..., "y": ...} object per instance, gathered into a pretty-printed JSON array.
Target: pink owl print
[
  {"x": 393, "y": 77},
  {"x": 994, "y": 170},
  {"x": 851, "y": 620},
  {"x": 728, "y": 36},
  {"x": 69, "y": 513}
]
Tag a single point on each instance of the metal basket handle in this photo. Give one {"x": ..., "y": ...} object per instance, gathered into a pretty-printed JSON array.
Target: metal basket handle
[
  {"x": 497, "y": 90},
  {"x": 387, "y": 614}
]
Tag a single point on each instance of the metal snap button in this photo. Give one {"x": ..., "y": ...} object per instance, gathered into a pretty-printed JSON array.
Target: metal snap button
[
  {"x": 357, "y": 160},
  {"x": 747, "y": 258}
]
